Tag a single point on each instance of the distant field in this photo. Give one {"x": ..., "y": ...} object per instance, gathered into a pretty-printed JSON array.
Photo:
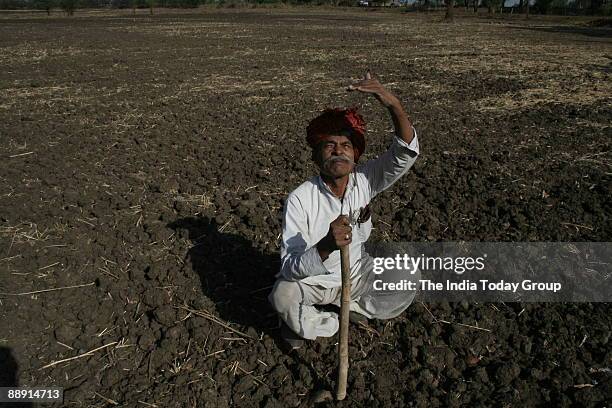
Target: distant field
[{"x": 150, "y": 155}]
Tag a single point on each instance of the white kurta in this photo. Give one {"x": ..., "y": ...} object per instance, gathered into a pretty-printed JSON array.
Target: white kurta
[{"x": 312, "y": 206}]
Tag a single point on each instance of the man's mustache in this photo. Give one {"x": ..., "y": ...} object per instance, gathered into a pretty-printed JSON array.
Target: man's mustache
[{"x": 340, "y": 158}]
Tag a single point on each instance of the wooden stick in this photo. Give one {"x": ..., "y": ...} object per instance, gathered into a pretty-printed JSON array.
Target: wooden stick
[
  {"x": 208, "y": 316},
  {"x": 110, "y": 401},
  {"x": 20, "y": 154},
  {"x": 465, "y": 325},
  {"x": 345, "y": 300},
  {"x": 47, "y": 290},
  {"x": 89, "y": 353}
]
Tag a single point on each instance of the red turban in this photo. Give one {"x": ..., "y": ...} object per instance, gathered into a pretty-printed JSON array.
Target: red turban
[{"x": 332, "y": 122}]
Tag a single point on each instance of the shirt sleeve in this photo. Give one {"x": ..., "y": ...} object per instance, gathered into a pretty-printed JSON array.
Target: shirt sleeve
[
  {"x": 385, "y": 170},
  {"x": 298, "y": 260}
]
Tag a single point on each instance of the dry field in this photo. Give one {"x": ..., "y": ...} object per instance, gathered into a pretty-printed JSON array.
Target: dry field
[{"x": 144, "y": 164}]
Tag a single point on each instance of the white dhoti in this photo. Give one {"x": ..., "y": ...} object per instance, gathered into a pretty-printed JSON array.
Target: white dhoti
[{"x": 295, "y": 301}]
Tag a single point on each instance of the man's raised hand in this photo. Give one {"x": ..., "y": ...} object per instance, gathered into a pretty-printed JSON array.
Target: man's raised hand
[{"x": 373, "y": 86}]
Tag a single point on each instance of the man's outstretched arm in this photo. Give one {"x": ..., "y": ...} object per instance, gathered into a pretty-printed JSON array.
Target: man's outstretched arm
[
  {"x": 401, "y": 121},
  {"x": 395, "y": 162}
]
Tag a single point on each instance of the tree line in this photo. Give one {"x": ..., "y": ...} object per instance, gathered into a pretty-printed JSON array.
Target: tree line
[
  {"x": 583, "y": 7},
  {"x": 71, "y": 5},
  {"x": 559, "y": 7}
]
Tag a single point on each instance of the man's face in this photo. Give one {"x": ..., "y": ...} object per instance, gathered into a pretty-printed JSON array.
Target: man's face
[{"x": 334, "y": 156}]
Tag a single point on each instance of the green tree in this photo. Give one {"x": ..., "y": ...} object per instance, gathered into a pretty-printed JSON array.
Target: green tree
[
  {"x": 46, "y": 5},
  {"x": 450, "y": 4},
  {"x": 68, "y": 6},
  {"x": 543, "y": 6},
  {"x": 492, "y": 5},
  {"x": 596, "y": 6}
]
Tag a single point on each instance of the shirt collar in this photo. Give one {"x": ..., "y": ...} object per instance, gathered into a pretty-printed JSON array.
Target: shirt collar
[{"x": 326, "y": 190}]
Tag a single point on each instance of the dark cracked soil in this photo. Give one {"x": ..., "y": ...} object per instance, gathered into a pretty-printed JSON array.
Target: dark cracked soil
[{"x": 145, "y": 161}]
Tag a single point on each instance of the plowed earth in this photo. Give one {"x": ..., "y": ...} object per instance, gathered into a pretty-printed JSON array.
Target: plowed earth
[{"x": 145, "y": 161}]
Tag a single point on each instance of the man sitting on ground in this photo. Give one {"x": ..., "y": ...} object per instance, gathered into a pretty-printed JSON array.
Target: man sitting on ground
[{"x": 332, "y": 210}]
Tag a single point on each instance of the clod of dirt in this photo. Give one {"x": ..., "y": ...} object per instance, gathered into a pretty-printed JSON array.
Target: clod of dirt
[
  {"x": 507, "y": 372},
  {"x": 243, "y": 384},
  {"x": 472, "y": 360},
  {"x": 320, "y": 396}
]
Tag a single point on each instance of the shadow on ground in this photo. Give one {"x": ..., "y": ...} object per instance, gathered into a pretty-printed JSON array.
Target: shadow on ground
[
  {"x": 8, "y": 375},
  {"x": 234, "y": 274}
]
